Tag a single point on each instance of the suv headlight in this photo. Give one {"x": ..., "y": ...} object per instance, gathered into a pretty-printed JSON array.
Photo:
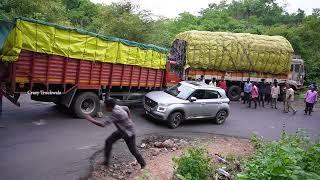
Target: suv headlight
[{"x": 162, "y": 108}]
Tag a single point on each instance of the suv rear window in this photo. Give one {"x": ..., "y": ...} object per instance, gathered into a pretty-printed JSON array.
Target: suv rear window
[
  {"x": 206, "y": 94},
  {"x": 212, "y": 94}
]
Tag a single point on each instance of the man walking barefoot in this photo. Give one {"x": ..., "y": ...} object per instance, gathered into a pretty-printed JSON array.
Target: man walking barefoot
[{"x": 121, "y": 118}]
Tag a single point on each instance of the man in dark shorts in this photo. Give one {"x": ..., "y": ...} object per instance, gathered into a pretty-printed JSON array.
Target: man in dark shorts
[
  {"x": 121, "y": 118},
  {"x": 262, "y": 92}
]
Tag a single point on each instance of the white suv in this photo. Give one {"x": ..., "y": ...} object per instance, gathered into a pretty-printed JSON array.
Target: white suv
[{"x": 187, "y": 100}]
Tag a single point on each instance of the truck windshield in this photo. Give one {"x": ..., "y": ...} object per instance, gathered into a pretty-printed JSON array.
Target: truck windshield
[{"x": 180, "y": 91}]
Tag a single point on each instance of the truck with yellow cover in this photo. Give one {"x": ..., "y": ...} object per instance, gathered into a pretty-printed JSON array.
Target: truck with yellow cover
[
  {"x": 75, "y": 68},
  {"x": 236, "y": 57}
]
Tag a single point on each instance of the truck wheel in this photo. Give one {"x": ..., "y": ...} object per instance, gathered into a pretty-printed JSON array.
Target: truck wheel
[
  {"x": 175, "y": 120},
  {"x": 86, "y": 103},
  {"x": 221, "y": 117},
  {"x": 234, "y": 93}
]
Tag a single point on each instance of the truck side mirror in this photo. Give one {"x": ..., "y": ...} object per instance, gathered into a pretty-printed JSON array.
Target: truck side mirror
[{"x": 192, "y": 99}]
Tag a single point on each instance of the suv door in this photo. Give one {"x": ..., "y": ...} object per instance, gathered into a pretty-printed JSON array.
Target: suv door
[
  {"x": 194, "y": 109},
  {"x": 211, "y": 103}
]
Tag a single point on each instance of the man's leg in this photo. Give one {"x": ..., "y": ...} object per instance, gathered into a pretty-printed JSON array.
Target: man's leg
[
  {"x": 285, "y": 106},
  {"x": 290, "y": 107},
  {"x": 310, "y": 108},
  {"x": 306, "y": 109},
  {"x": 268, "y": 99},
  {"x": 275, "y": 103},
  {"x": 255, "y": 102},
  {"x": 131, "y": 143},
  {"x": 263, "y": 99},
  {"x": 108, "y": 145},
  {"x": 244, "y": 97}
]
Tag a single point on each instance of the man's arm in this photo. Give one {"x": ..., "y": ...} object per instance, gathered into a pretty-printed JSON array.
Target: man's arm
[
  {"x": 290, "y": 94},
  {"x": 91, "y": 119},
  {"x": 127, "y": 110}
]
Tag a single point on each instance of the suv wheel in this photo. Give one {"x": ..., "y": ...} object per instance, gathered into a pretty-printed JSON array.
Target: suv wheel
[
  {"x": 221, "y": 117},
  {"x": 175, "y": 120}
]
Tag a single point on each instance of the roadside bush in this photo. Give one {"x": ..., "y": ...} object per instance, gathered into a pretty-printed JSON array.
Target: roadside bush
[
  {"x": 195, "y": 164},
  {"x": 291, "y": 157}
]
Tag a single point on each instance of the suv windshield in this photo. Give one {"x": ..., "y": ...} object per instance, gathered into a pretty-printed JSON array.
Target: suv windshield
[{"x": 180, "y": 91}]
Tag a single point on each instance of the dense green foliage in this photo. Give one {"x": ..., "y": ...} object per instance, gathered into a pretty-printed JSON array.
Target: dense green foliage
[
  {"x": 125, "y": 20},
  {"x": 292, "y": 157},
  {"x": 195, "y": 164}
]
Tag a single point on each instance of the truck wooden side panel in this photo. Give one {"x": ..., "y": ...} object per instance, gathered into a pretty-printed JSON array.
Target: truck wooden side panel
[
  {"x": 45, "y": 69},
  {"x": 234, "y": 76}
]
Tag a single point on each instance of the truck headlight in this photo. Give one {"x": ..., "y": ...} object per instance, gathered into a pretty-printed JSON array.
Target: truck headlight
[{"x": 161, "y": 108}]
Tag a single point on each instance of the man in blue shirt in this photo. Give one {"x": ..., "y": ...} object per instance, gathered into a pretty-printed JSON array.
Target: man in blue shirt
[{"x": 247, "y": 91}]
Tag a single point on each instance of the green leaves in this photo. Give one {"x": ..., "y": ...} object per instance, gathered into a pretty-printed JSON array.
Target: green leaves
[
  {"x": 291, "y": 157},
  {"x": 195, "y": 164}
]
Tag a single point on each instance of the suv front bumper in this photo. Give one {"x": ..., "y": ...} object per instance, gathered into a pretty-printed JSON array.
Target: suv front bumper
[{"x": 155, "y": 114}]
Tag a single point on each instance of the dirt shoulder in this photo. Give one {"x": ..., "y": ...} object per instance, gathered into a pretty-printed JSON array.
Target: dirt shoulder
[{"x": 159, "y": 152}]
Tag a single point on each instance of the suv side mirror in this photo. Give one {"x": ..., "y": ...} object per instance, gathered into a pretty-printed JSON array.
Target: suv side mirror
[{"x": 192, "y": 99}]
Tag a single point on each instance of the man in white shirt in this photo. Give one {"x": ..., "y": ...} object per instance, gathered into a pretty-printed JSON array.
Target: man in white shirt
[
  {"x": 275, "y": 91},
  {"x": 289, "y": 100},
  {"x": 213, "y": 82}
]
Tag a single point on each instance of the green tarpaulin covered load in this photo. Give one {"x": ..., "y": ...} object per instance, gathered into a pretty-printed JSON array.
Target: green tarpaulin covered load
[
  {"x": 43, "y": 37},
  {"x": 223, "y": 51}
]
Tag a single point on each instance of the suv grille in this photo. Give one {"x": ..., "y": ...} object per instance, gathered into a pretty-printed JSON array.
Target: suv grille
[{"x": 149, "y": 102}]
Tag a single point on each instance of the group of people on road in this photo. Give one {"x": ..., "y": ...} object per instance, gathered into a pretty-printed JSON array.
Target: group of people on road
[
  {"x": 262, "y": 92},
  {"x": 222, "y": 83}
]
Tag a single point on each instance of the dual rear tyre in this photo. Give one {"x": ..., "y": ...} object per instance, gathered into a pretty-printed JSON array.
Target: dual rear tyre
[{"x": 86, "y": 103}]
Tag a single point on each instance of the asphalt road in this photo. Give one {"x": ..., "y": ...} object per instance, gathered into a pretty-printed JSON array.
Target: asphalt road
[{"x": 40, "y": 142}]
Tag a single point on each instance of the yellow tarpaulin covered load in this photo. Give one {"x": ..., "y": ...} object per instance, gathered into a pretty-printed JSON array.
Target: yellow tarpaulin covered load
[
  {"x": 43, "y": 37},
  {"x": 222, "y": 51}
]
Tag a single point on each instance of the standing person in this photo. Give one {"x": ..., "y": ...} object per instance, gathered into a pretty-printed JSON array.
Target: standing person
[
  {"x": 247, "y": 91},
  {"x": 275, "y": 91},
  {"x": 254, "y": 95},
  {"x": 121, "y": 118},
  {"x": 268, "y": 93},
  {"x": 262, "y": 92},
  {"x": 310, "y": 99},
  {"x": 222, "y": 84},
  {"x": 202, "y": 79},
  {"x": 213, "y": 82},
  {"x": 289, "y": 99}
]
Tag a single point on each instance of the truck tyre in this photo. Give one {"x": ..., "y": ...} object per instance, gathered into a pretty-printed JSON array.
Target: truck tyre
[
  {"x": 221, "y": 117},
  {"x": 86, "y": 103},
  {"x": 175, "y": 120},
  {"x": 234, "y": 93}
]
